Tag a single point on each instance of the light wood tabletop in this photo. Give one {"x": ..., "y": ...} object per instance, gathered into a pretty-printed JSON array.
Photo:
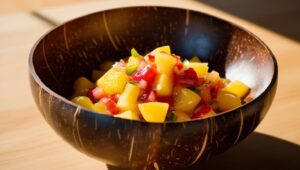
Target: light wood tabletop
[{"x": 27, "y": 142}]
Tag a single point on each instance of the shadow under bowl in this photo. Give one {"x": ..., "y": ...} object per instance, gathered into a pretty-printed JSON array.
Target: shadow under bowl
[{"x": 77, "y": 47}]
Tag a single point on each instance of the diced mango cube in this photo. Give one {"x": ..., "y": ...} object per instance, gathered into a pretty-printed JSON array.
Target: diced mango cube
[
  {"x": 238, "y": 88},
  {"x": 154, "y": 111},
  {"x": 99, "y": 107},
  {"x": 165, "y": 63},
  {"x": 83, "y": 101},
  {"x": 128, "y": 98},
  {"x": 181, "y": 116},
  {"x": 227, "y": 101},
  {"x": 164, "y": 85},
  {"x": 165, "y": 49},
  {"x": 186, "y": 100},
  {"x": 200, "y": 68},
  {"x": 213, "y": 76},
  {"x": 82, "y": 84},
  {"x": 128, "y": 115},
  {"x": 113, "y": 81}
]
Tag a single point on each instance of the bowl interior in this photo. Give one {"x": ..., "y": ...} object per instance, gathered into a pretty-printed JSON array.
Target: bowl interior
[{"x": 77, "y": 47}]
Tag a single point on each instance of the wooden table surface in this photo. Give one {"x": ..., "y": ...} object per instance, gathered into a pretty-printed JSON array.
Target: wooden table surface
[{"x": 27, "y": 142}]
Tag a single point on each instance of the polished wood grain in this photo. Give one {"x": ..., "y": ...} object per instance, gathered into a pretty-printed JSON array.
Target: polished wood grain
[{"x": 27, "y": 142}]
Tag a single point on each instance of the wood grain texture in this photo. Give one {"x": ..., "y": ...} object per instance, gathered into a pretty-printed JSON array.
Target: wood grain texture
[{"x": 27, "y": 142}]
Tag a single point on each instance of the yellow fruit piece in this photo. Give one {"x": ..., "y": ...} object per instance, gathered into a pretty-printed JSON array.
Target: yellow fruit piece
[
  {"x": 96, "y": 74},
  {"x": 82, "y": 84},
  {"x": 227, "y": 101},
  {"x": 128, "y": 98},
  {"x": 164, "y": 85},
  {"x": 113, "y": 81},
  {"x": 209, "y": 114},
  {"x": 128, "y": 115},
  {"x": 238, "y": 88},
  {"x": 165, "y": 63},
  {"x": 83, "y": 101},
  {"x": 99, "y": 107},
  {"x": 134, "y": 60},
  {"x": 165, "y": 49},
  {"x": 186, "y": 100},
  {"x": 195, "y": 60},
  {"x": 154, "y": 111},
  {"x": 181, "y": 116},
  {"x": 200, "y": 68},
  {"x": 213, "y": 76}
]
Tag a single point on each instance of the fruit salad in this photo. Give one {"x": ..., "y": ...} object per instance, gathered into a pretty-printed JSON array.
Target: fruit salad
[{"x": 158, "y": 87}]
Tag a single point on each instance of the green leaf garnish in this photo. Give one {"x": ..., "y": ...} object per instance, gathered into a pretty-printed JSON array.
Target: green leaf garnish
[
  {"x": 134, "y": 53},
  {"x": 131, "y": 69}
]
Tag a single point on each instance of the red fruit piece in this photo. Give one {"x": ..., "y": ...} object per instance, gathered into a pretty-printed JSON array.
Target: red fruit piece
[
  {"x": 148, "y": 74},
  {"x": 152, "y": 96},
  {"x": 190, "y": 74},
  {"x": 91, "y": 95},
  {"x": 202, "y": 109},
  {"x": 166, "y": 99},
  {"x": 151, "y": 57},
  {"x": 111, "y": 105}
]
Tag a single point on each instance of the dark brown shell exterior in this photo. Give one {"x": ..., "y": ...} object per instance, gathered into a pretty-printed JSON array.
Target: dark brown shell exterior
[{"x": 78, "y": 46}]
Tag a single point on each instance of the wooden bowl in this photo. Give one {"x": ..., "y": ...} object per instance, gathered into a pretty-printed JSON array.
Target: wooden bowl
[{"x": 77, "y": 47}]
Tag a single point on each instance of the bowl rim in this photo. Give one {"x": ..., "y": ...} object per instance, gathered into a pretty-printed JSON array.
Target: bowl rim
[{"x": 51, "y": 92}]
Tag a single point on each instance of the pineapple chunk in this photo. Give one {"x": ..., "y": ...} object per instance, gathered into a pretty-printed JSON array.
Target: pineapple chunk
[
  {"x": 181, "y": 116},
  {"x": 154, "y": 111},
  {"x": 99, "y": 107},
  {"x": 186, "y": 100},
  {"x": 82, "y": 84},
  {"x": 227, "y": 101},
  {"x": 165, "y": 63},
  {"x": 213, "y": 76},
  {"x": 128, "y": 98},
  {"x": 83, "y": 101},
  {"x": 113, "y": 81},
  {"x": 164, "y": 85},
  {"x": 165, "y": 49},
  {"x": 200, "y": 68},
  {"x": 238, "y": 88},
  {"x": 128, "y": 115}
]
